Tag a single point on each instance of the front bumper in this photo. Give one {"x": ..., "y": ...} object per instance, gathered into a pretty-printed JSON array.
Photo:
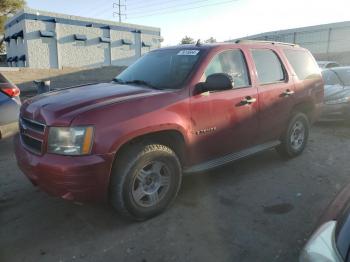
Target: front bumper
[
  {"x": 335, "y": 112},
  {"x": 78, "y": 178}
]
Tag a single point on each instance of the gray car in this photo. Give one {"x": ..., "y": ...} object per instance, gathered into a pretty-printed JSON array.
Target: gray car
[
  {"x": 10, "y": 104},
  {"x": 336, "y": 104}
]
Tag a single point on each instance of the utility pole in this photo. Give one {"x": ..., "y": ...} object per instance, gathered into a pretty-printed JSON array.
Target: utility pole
[{"x": 118, "y": 5}]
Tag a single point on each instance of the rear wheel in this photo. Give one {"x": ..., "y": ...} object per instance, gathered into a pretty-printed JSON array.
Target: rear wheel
[
  {"x": 294, "y": 139},
  {"x": 145, "y": 180}
]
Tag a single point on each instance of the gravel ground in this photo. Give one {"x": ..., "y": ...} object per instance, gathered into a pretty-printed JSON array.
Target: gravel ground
[{"x": 259, "y": 209}]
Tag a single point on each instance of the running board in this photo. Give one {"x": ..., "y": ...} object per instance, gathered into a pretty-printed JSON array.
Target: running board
[{"x": 230, "y": 158}]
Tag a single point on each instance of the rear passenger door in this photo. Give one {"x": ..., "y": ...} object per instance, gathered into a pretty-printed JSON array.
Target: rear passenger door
[{"x": 276, "y": 90}]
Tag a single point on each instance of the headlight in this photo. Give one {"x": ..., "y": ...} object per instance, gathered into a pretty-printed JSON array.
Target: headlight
[
  {"x": 338, "y": 101},
  {"x": 70, "y": 140}
]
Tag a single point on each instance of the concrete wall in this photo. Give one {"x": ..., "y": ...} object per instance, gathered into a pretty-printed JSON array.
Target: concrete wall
[
  {"x": 64, "y": 50},
  {"x": 123, "y": 55},
  {"x": 150, "y": 39},
  {"x": 73, "y": 53},
  {"x": 16, "y": 47},
  {"x": 42, "y": 52}
]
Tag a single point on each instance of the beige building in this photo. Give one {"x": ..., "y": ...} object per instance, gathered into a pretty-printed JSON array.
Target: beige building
[{"x": 39, "y": 39}]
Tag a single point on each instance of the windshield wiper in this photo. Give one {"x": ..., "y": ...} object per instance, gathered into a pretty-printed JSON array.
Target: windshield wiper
[
  {"x": 119, "y": 81},
  {"x": 142, "y": 82}
]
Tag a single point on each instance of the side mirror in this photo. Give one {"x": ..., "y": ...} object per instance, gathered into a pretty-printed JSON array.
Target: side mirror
[{"x": 215, "y": 82}]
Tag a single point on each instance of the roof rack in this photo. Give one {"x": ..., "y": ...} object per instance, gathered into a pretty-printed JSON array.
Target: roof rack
[{"x": 240, "y": 41}]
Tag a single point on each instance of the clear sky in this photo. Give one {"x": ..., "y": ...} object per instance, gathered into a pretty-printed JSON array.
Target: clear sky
[{"x": 221, "y": 19}]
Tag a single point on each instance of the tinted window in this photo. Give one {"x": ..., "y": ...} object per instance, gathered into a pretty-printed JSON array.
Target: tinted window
[
  {"x": 343, "y": 74},
  {"x": 303, "y": 64},
  {"x": 2, "y": 79},
  {"x": 330, "y": 78},
  {"x": 162, "y": 69},
  {"x": 268, "y": 66},
  {"x": 232, "y": 63}
]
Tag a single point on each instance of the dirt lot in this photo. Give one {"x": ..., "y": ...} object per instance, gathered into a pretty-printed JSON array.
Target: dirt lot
[{"x": 258, "y": 209}]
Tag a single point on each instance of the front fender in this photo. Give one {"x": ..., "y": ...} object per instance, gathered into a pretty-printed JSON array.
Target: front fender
[{"x": 128, "y": 135}]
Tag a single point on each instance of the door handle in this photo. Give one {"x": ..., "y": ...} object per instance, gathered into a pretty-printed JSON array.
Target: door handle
[
  {"x": 248, "y": 100},
  {"x": 288, "y": 92}
]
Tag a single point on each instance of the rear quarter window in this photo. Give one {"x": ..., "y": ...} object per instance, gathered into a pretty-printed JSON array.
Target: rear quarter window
[{"x": 303, "y": 63}]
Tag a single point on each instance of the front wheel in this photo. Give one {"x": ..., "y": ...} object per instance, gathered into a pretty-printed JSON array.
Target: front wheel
[
  {"x": 145, "y": 180},
  {"x": 294, "y": 139}
]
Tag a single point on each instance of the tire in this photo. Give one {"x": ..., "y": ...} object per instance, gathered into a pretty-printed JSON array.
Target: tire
[
  {"x": 145, "y": 181},
  {"x": 295, "y": 137}
]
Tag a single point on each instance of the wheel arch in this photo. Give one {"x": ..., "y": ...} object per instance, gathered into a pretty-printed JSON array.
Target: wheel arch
[{"x": 171, "y": 138}]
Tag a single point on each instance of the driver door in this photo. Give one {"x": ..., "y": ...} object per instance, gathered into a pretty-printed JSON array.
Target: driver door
[{"x": 222, "y": 124}]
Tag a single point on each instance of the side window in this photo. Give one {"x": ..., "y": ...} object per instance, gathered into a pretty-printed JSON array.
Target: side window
[
  {"x": 231, "y": 62},
  {"x": 330, "y": 78},
  {"x": 303, "y": 63},
  {"x": 268, "y": 66}
]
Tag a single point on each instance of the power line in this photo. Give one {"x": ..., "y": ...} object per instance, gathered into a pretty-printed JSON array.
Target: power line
[
  {"x": 173, "y": 6},
  {"x": 83, "y": 11},
  {"x": 101, "y": 8},
  {"x": 182, "y": 10},
  {"x": 148, "y": 4}
]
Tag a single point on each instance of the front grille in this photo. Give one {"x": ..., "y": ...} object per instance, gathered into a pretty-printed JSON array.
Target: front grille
[
  {"x": 32, "y": 134},
  {"x": 33, "y": 125},
  {"x": 34, "y": 144}
]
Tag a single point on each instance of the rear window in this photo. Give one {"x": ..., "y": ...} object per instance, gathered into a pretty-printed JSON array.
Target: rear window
[
  {"x": 303, "y": 63},
  {"x": 268, "y": 66}
]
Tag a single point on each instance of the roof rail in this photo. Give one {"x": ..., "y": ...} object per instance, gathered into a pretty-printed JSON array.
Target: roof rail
[{"x": 242, "y": 41}]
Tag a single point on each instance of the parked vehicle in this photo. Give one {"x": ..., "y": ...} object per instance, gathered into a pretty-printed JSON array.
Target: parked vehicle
[
  {"x": 9, "y": 107},
  {"x": 327, "y": 64},
  {"x": 336, "y": 94},
  {"x": 331, "y": 240},
  {"x": 176, "y": 110}
]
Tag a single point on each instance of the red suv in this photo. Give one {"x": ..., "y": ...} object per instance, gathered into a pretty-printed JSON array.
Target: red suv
[{"x": 176, "y": 110}]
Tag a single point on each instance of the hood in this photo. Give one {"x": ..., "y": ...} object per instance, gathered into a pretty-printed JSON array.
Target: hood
[
  {"x": 334, "y": 92},
  {"x": 60, "y": 107}
]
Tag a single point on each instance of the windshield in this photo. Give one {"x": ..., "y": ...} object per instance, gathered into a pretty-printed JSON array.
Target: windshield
[{"x": 163, "y": 69}]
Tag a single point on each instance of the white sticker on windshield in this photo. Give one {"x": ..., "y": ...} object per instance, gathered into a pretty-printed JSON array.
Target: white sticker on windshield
[{"x": 188, "y": 52}]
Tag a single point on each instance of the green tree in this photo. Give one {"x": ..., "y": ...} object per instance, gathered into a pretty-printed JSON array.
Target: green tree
[
  {"x": 210, "y": 40},
  {"x": 7, "y": 8},
  {"x": 187, "y": 40}
]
